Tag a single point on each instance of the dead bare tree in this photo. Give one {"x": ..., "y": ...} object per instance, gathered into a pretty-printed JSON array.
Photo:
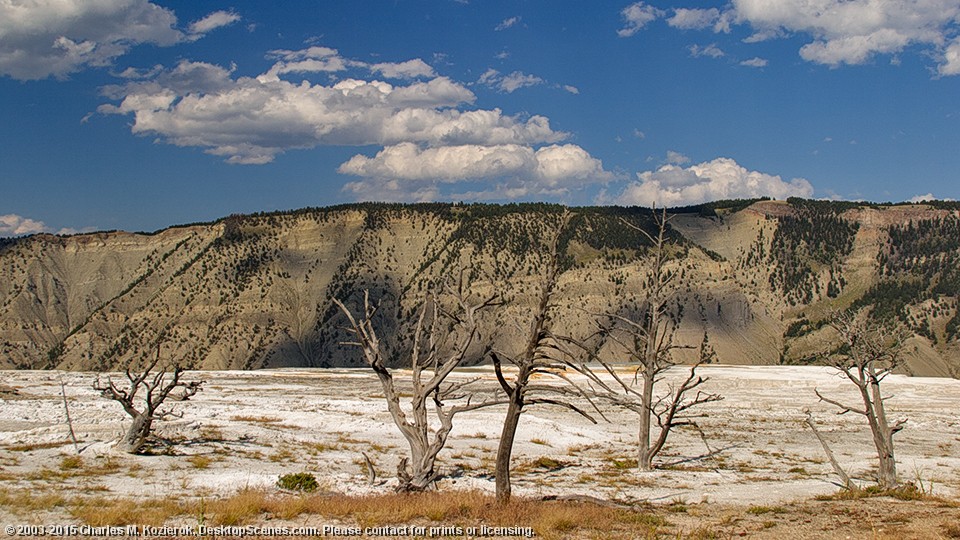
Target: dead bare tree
[
  {"x": 648, "y": 338},
  {"x": 159, "y": 386},
  {"x": 868, "y": 352},
  {"x": 541, "y": 355},
  {"x": 66, "y": 411},
  {"x": 431, "y": 362}
]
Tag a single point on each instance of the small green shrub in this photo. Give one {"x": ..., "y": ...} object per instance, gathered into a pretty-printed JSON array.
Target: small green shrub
[
  {"x": 298, "y": 482},
  {"x": 548, "y": 463},
  {"x": 760, "y": 510}
]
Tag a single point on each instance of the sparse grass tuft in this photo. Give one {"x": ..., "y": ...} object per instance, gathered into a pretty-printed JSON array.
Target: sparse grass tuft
[
  {"x": 622, "y": 464},
  {"x": 543, "y": 463},
  {"x": 250, "y": 419},
  {"x": 904, "y": 492},
  {"x": 678, "y": 505},
  {"x": 951, "y": 530},
  {"x": 319, "y": 448},
  {"x": 704, "y": 533},
  {"x": 70, "y": 463},
  {"x": 282, "y": 455},
  {"x": 200, "y": 461},
  {"x": 760, "y": 510},
  {"x": 37, "y": 446}
]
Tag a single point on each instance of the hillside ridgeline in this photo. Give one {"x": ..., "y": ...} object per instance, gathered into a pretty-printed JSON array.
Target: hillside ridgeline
[{"x": 759, "y": 278}]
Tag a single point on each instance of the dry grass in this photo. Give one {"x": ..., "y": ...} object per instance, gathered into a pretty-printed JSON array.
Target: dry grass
[
  {"x": 469, "y": 508},
  {"x": 760, "y": 510},
  {"x": 37, "y": 446},
  {"x": 102, "y": 512},
  {"x": 542, "y": 463},
  {"x": 70, "y": 463},
  {"x": 28, "y": 502},
  {"x": 239, "y": 509},
  {"x": 255, "y": 419},
  {"x": 905, "y": 492},
  {"x": 282, "y": 455},
  {"x": 951, "y": 530},
  {"x": 546, "y": 519}
]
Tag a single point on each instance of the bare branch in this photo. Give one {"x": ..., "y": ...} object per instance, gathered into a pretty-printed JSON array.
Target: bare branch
[
  {"x": 826, "y": 450},
  {"x": 845, "y": 408},
  {"x": 564, "y": 404}
]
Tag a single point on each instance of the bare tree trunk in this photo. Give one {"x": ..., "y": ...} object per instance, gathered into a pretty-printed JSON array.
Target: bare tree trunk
[
  {"x": 136, "y": 436},
  {"x": 66, "y": 410},
  {"x": 882, "y": 436},
  {"x": 644, "y": 455},
  {"x": 505, "y": 449}
]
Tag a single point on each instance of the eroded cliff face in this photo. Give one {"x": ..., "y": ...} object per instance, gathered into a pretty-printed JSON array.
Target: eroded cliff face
[{"x": 256, "y": 291}]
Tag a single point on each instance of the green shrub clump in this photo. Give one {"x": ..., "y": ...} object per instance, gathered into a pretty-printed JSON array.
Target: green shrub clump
[{"x": 298, "y": 482}]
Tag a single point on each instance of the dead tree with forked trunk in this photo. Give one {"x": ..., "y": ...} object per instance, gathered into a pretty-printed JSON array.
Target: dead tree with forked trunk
[
  {"x": 868, "y": 352},
  {"x": 158, "y": 385},
  {"x": 543, "y": 354},
  {"x": 648, "y": 338},
  {"x": 432, "y": 360}
]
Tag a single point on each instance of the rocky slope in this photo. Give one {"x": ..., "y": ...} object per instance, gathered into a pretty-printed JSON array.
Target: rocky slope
[{"x": 757, "y": 277}]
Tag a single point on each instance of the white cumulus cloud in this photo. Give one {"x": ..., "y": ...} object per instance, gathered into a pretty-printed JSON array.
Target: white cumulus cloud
[
  {"x": 551, "y": 164},
  {"x": 756, "y": 62},
  {"x": 249, "y": 120},
  {"x": 54, "y": 38},
  {"x": 508, "y": 83},
  {"x": 676, "y": 158},
  {"x": 722, "y": 178},
  {"x": 694, "y": 19},
  {"x": 926, "y": 198},
  {"x": 310, "y": 60},
  {"x": 217, "y": 19},
  {"x": 951, "y": 59},
  {"x": 636, "y": 16},
  {"x": 407, "y": 161},
  {"x": 507, "y": 23},
  {"x": 503, "y": 171},
  {"x": 710, "y": 50},
  {"x": 411, "y": 69},
  {"x": 14, "y": 225},
  {"x": 853, "y": 31}
]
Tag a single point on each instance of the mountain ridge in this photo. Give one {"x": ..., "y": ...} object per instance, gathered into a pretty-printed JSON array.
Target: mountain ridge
[{"x": 251, "y": 291}]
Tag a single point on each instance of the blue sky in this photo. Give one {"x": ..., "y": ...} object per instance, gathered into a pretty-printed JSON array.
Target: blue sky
[{"x": 136, "y": 114}]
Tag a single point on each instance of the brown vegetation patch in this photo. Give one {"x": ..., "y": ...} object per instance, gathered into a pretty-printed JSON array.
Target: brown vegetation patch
[{"x": 880, "y": 516}]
